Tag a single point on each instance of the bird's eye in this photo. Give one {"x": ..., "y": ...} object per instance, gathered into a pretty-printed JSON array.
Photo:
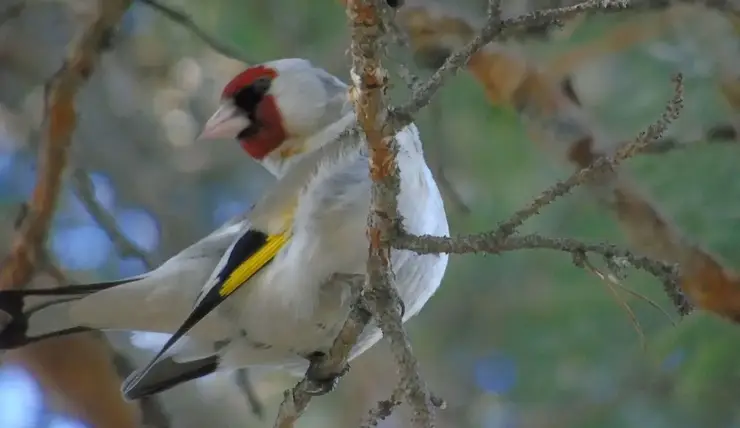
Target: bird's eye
[
  {"x": 250, "y": 96},
  {"x": 262, "y": 85}
]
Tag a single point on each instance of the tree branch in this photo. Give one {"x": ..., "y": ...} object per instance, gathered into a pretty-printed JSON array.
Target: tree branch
[
  {"x": 79, "y": 365},
  {"x": 86, "y": 192},
  {"x": 494, "y": 28},
  {"x": 182, "y": 19},
  {"x": 723, "y": 134},
  {"x": 296, "y": 400},
  {"x": 500, "y": 239},
  {"x": 127, "y": 248},
  {"x": 601, "y": 165},
  {"x": 667, "y": 273},
  {"x": 370, "y": 83},
  {"x": 19, "y": 266}
]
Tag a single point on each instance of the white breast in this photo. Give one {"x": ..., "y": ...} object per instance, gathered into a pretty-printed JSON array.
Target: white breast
[{"x": 289, "y": 309}]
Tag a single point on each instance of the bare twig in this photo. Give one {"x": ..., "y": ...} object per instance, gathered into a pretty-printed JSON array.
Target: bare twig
[
  {"x": 245, "y": 384},
  {"x": 296, "y": 400},
  {"x": 370, "y": 82},
  {"x": 127, "y": 248},
  {"x": 600, "y": 165},
  {"x": 494, "y": 29},
  {"x": 81, "y": 366},
  {"x": 501, "y": 239},
  {"x": 53, "y": 154},
  {"x": 719, "y": 134},
  {"x": 427, "y": 244},
  {"x": 581, "y": 260},
  {"x": 384, "y": 408},
  {"x": 86, "y": 192},
  {"x": 188, "y": 23},
  {"x": 438, "y": 165}
]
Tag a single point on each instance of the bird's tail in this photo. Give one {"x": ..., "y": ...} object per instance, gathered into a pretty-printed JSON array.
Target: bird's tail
[{"x": 28, "y": 316}]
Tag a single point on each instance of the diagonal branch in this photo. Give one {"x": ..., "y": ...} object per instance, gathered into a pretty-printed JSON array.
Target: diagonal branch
[
  {"x": 501, "y": 239},
  {"x": 601, "y": 165},
  {"x": 493, "y": 29},
  {"x": 296, "y": 400},
  {"x": 78, "y": 366},
  {"x": 86, "y": 192},
  {"x": 189, "y": 24},
  {"x": 127, "y": 248},
  {"x": 77, "y": 68}
]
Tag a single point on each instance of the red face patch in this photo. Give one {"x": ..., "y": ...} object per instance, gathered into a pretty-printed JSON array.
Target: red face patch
[{"x": 246, "y": 78}]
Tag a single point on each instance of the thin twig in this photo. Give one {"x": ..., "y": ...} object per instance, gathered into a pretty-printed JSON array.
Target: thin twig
[
  {"x": 494, "y": 28},
  {"x": 296, "y": 400},
  {"x": 442, "y": 157},
  {"x": 581, "y": 260},
  {"x": 384, "y": 408},
  {"x": 370, "y": 82},
  {"x": 60, "y": 125},
  {"x": 427, "y": 244},
  {"x": 86, "y": 192},
  {"x": 601, "y": 165},
  {"x": 719, "y": 134},
  {"x": 245, "y": 384},
  {"x": 188, "y": 23},
  {"x": 96, "y": 385}
]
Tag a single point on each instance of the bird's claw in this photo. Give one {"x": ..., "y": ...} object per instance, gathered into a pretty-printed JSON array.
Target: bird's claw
[
  {"x": 317, "y": 387},
  {"x": 318, "y": 381},
  {"x": 401, "y": 307}
]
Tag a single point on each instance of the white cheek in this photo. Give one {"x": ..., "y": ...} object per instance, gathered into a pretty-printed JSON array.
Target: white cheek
[{"x": 302, "y": 102}]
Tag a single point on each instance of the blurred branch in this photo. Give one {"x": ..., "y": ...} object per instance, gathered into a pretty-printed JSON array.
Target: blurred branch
[
  {"x": 494, "y": 28},
  {"x": 127, "y": 248},
  {"x": 19, "y": 267},
  {"x": 244, "y": 383},
  {"x": 334, "y": 364},
  {"x": 78, "y": 366},
  {"x": 720, "y": 134},
  {"x": 442, "y": 158},
  {"x": 181, "y": 18},
  {"x": 12, "y": 11},
  {"x": 384, "y": 408},
  {"x": 554, "y": 118},
  {"x": 86, "y": 192},
  {"x": 600, "y": 165},
  {"x": 617, "y": 39}
]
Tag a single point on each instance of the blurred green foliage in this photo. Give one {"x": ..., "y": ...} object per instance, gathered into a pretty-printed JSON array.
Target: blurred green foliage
[{"x": 528, "y": 332}]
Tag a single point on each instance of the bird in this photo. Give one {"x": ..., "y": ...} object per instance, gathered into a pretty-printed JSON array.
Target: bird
[{"x": 280, "y": 293}]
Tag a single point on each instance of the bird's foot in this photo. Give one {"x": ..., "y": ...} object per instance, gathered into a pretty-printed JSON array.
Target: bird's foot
[
  {"x": 401, "y": 307},
  {"x": 321, "y": 381}
]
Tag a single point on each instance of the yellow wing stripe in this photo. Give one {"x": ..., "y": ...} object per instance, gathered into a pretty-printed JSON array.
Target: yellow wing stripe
[{"x": 254, "y": 263}]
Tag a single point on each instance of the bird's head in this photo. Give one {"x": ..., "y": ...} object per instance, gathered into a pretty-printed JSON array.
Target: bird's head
[{"x": 274, "y": 107}]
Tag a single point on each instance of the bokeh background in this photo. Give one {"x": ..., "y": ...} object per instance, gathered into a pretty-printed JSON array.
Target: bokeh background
[{"x": 524, "y": 339}]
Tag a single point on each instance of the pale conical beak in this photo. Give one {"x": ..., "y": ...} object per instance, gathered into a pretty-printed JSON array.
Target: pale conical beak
[{"x": 226, "y": 122}]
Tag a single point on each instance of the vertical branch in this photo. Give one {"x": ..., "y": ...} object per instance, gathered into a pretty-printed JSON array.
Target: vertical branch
[
  {"x": 61, "y": 120},
  {"x": 370, "y": 83},
  {"x": 78, "y": 366}
]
